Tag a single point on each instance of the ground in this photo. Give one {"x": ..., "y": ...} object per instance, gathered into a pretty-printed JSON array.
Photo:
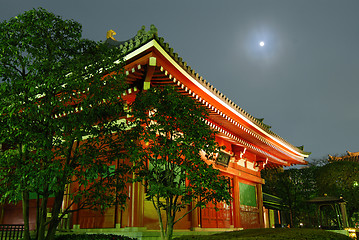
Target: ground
[{"x": 270, "y": 233}]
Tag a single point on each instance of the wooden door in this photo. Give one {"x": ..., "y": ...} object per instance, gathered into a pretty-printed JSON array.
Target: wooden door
[{"x": 211, "y": 218}]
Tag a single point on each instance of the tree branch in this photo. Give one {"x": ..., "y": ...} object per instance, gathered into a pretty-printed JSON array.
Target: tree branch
[
  {"x": 190, "y": 210},
  {"x": 13, "y": 67},
  {"x": 184, "y": 215}
]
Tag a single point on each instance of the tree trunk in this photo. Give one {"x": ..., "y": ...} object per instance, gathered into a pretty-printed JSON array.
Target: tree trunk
[
  {"x": 156, "y": 204},
  {"x": 42, "y": 218},
  {"x": 37, "y": 215},
  {"x": 25, "y": 213},
  {"x": 291, "y": 217},
  {"x": 169, "y": 227},
  {"x": 56, "y": 210},
  {"x": 162, "y": 229}
]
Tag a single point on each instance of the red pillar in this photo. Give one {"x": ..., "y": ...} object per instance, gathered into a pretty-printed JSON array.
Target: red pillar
[
  {"x": 195, "y": 221},
  {"x": 138, "y": 204},
  {"x": 260, "y": 205},
  {"x": 236, "y": 203}
]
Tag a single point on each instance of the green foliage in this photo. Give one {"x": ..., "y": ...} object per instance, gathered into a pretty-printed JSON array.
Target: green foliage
[
  {"x": 92, "y": 237},
  {"x": 294, "y": 187},
  {"x": 169, "y": 141},
  {"x": 341, "y": 178},
  {"x": 58, "y": 107},
  {"x": 271, "y": 233}
]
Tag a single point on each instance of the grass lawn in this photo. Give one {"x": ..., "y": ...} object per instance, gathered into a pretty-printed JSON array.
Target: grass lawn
[{"x": 272, "y": 233}]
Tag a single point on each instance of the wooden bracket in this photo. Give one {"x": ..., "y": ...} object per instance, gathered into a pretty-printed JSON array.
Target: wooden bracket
[{"x": 149, "y": 73}]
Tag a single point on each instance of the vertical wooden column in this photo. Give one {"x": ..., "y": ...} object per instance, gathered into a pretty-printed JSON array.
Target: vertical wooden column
[
  {"x": 138, "y": 204},
  {"x": 195, "y": 223},
  {"x": 260, "y": 204},
  {"x": 77, "y": 214},
  {"x": 343, "y": 210},
  {"x": 266, "y": 217},
  {"x": 75, "y": 220},
  {"x": 236, "y": 203},
  {"x": 279, "y": 217},
  {"x": 127, "y": 212}
]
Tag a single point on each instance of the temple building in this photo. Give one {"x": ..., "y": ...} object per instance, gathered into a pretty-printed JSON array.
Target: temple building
[{"x": 250, "y": 146}]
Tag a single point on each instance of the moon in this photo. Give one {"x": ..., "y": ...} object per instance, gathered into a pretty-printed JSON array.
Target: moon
[{"x": 261, "y": 44}]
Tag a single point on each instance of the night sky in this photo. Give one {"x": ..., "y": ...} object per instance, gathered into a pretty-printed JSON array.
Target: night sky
[{"x": 304, "y": 81}]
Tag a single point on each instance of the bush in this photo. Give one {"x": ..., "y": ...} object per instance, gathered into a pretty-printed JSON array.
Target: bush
[{"x": 92, "y": 237}]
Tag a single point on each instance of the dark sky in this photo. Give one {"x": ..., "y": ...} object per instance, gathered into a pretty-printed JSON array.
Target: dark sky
[{"x": 304, "y": 82}]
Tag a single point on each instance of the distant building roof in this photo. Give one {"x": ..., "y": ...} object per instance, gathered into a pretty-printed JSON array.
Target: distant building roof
[
  {"x": 351, "y": 157},
  {"x": 326, "y": 200},
  {"x": 272, "y": 202}
]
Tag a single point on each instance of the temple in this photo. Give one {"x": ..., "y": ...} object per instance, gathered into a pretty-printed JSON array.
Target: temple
[{"x": 250, "y": 147}]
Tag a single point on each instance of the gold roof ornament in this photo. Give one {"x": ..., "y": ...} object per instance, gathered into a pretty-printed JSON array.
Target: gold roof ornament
[
  {"x": 353, "y": 153},
  {"x": 110, "y": 34}
]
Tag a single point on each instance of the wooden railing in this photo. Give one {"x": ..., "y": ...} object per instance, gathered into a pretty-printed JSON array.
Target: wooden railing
[{"x": 11, "y": 231}]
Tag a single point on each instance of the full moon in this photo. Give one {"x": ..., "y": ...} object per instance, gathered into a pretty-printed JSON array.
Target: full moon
[{"x": 261, "y": 44}]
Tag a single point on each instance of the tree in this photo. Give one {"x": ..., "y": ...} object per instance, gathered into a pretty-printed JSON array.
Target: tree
[
  {"x": 318, "y": 162},
  {"x": 294, "y": 187},
  {"x": 59, "y": 111},
  {"x": 169, "y": 142},
  {"x": 341, "y": 178}
]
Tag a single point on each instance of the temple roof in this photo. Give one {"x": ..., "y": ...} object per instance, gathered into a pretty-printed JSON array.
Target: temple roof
[
  {"x": 351, "y": 157},
  {"x": 326, "y": 200},
  {"x": 142, "y": 37}
]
